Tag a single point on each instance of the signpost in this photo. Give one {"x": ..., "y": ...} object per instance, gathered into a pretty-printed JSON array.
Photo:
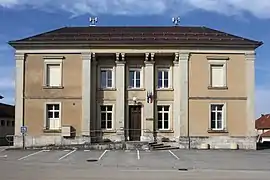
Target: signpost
[{"x": 23, "y": 131}]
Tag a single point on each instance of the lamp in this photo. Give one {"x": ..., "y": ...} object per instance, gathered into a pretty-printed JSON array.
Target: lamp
[{"x": 134, "y": 100}]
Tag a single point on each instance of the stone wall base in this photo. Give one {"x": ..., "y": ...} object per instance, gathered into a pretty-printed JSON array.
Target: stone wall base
[{"x": 218, "y": 142}]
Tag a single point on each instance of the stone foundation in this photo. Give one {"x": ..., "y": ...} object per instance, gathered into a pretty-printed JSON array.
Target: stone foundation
[{"x": 218, "y": 142}]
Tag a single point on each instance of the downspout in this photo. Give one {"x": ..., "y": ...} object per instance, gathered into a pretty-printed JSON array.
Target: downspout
[
  {"x": 188, "y": 128},
  {"x": 23, "y": 103}
]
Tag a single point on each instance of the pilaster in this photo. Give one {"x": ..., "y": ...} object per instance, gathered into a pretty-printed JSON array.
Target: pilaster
[
  {"x": 250, "y": 93},
  {"x": 120, "y": 94},
  {"x": 184, "y": 94},
  {"x": 177, "y": 90},
  {"x": 86, "y": 93},
  {"x": 19, "y": 97}
]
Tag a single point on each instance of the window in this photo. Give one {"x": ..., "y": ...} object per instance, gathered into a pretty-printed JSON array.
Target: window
[
  {"x": 217, "y": 117},
  {"x": 163, "y": 117},
  {"x": 13, "y": 123},
  {"x": 106, "y": 78},
  {"x": 106, "y": 117},
  {"x": 217, "y": 75},
  {"x": 3, "y": 123},
  {"x": 53, "y": 117},
  {"x": 163, "y": 78},
  {"x": 53, "y": 75},
  {"x": 134, "y": 78},
  {"x": 8, "y": 123}
]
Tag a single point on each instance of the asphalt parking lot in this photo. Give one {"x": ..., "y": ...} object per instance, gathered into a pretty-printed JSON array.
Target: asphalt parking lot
[{"x": 175, "y": 164}]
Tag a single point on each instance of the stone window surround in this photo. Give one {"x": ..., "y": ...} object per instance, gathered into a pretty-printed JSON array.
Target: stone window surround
[
  {"x": 45, "y": 121},
  {"x": 106, "y": 67},
  {"x": 113, "y": 104},
  {"x": 141, "y": 70},
  {"x": 52, "y": 60},
  {"x": 168, "y": 68},
  {"x": 224, "y": 119},
  {"x": 217, "y": 60}
]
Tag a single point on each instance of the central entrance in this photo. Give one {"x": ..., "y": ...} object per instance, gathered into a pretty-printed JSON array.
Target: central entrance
[{"x": 134, "y": 123}]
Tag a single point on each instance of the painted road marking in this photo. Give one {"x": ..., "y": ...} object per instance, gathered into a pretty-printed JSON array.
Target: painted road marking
[
  {"x": 31, "y": 155},
  {"x": 2, "y": 150},
  {"x": 174, "y": 155},
  {"x": 5, "y": 156},
  {"x": 138, "y": 154},
  {"x": 86, "y": 150},
  {"x": 66, "y": 150},
  {"x": 66, "y": 155},
  {"x": 103, "y": 154}
]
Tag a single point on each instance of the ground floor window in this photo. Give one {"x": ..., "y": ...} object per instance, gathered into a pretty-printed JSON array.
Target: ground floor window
[
  {"x": 163, "y": 117},
  {"x": 106, "y": 116},
  {"x": 217, "y": 116},
  {"x": 53, "y": 116}
]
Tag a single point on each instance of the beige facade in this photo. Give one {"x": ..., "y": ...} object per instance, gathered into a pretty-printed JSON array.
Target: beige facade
[{"x": 180, "y": 109}]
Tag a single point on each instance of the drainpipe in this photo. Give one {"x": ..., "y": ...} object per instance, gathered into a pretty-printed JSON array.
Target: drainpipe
[
  {"x": 188, "y": 124},
  {"x": 23, "y": 103}
]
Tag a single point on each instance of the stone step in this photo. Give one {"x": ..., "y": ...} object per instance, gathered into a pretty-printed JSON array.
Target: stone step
[
  {"x": 163, "y": 146},
  {"x": 166, "y": 148}
]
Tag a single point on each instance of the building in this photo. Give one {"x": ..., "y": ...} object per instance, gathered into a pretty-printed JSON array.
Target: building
[
  {"x": 262, "y": 126},
  {"x": 7, "y": 124},
  {"x": 191, "y": 85}
]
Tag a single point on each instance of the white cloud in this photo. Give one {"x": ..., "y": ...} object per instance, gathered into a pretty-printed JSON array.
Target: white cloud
[{"x": 146, "y": 7}]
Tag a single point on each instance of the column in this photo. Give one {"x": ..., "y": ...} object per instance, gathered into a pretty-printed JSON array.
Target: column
[
  {"x": 19, "y": 96},
  {"x": 86, "y": 93},
  {"x": 120, "y": 95},
  {"x": 250, "y": 93},
  {"x": 94, "y": 121},
  {"x": 177, "y": 90},
  {"x": 184, "y": 94},
  {"x": 149, "y": 108}
]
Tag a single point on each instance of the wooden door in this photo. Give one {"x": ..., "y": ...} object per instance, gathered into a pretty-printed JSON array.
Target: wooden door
[{"x": 134, "y": 123}]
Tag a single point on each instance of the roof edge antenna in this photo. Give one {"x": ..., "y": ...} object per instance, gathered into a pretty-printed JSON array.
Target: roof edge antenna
[
  {"x": 176, "y": 21},
  {"x": 93, "y": 21}
]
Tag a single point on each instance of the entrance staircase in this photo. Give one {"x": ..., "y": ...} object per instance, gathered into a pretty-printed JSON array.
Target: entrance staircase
[{"x": 161, "y": 146}]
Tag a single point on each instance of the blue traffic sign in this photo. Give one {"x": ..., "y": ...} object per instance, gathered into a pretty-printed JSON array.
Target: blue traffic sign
[{"x": 23, "y": 129}]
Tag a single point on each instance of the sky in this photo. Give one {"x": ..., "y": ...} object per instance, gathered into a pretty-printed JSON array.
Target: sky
[{"x": 246, "y": 18}]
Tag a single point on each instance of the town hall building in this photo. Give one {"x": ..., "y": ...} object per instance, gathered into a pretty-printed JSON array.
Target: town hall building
[{"x": 193, "y": 86}]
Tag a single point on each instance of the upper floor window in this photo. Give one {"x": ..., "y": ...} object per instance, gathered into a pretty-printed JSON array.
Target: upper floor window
[
  {"x": 134, "y": 78},
  {"x": 3, "y": 122},
  {"x": 163, "y": 78},
  {"x": 163, "y": 117},
  {"x": 217, "y": 116},
  {"x": 106, "y": 113},
  {"x": 106, "y": 78},
  {"x": 217, "y": 75},
  {"x": 53, "y": 121},
  {"x": 53, "y": 75}
]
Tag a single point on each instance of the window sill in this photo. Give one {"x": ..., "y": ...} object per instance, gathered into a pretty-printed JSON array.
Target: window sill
[
  {"x": 107, "y": 89},
  {"x": 53, "y": 87},
  {"x": 164, "y": 89},
  {"x": 136, "y": 89},
  {"x": 217, "y": 131},
  {"x": 52, "y": 131},
  {"x": 164, "y": 131},
  {"x": 217, "y": 88},
  {"x": 108, "y": 131}
]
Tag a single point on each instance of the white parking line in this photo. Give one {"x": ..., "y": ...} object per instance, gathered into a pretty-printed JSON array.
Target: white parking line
[
  {"x": 174, "y": 155},
  {"x": 86, "y": 150},
  {"x": 2, "y": 150},
  {"x": 103, "y": 154},
  {"x": 66, "y": 155},
  {"x": 31, "y": 155},
  {"x": 5, "y": 156},
  {"x": 138, "y": 154}
]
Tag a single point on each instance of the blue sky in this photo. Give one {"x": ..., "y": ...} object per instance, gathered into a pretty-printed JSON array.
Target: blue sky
[{"x": 248, "y": 18}]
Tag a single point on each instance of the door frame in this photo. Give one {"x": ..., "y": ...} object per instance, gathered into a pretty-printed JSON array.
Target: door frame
[{"x": 127, "y": 123}]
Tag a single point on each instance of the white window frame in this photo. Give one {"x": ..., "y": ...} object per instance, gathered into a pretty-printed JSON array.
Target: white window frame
[
  {"x": 47, "y": 62},
  {"x": 141, "y": 74},
  {"x": 99, "y": 106},
  {"x": 218, "y": 61},
  {"x": 46, "y": 119},
  {"x": 113, "y": 77},
  {"x": 223, "y": 124},
  {"x": 169, "y": 117},
  {"x": 164, "y": 68}
]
